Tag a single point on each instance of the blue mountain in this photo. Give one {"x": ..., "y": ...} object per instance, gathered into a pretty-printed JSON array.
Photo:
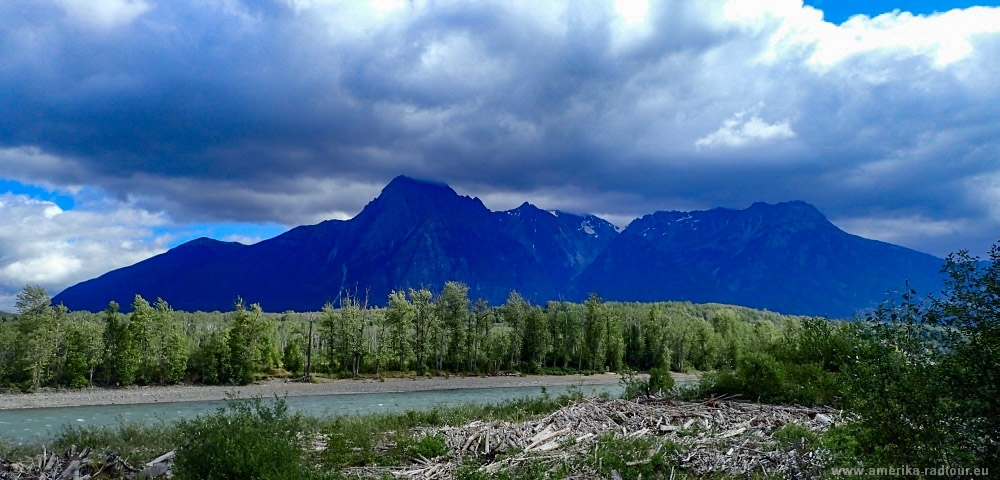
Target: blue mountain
[{"x": 786, "y": 257}]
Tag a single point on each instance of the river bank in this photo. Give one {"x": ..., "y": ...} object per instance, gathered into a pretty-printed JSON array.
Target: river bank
[{"x": 281, "y": 388}]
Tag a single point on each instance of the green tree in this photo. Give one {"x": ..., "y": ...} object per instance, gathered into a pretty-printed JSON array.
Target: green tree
[
  {"x": 514, "y": 314},
  {"x": 379, "y": 343},
  {"x": 424, "y": 322},
  {"x": 9, "y": 352},
  {"x": 351, "y": 331},
  {"x": 293, "y": 357},
  {"x": 210, "y": 360},
  {"x": 452, "y": 307},
  {"x": 535, "y": 344},
  {"x": 40, "y": 331},
  {"x": 169, "y": 343},
  {"x": 252, "y": 347},
  {"x": 925, "y": 376},
  {"x": 399, "y": 318},
  {"x": 656, "y": 351},
  {"x": 595, "y": 332},
  {"x": 120, "y": 360},
  {"x": 481, "y": 326},
  {"x": 33, "y": 300},
  {"x": 83, "y": 349},
  {"x": 615, "y": 342},
  {"x": 331, "y": 336},
  {"x": 142, "y": 333}
]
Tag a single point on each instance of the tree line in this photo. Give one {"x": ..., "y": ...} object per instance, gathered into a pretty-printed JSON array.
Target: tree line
[{"x": 417, "y": 332}]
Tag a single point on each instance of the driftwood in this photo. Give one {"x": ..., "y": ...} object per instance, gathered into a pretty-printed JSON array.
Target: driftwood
[
  {"x": 712, "y": 438},
  {"x": 77, "y": 464}
]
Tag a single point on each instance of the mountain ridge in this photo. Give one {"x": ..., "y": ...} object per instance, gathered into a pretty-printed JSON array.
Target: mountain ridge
[{"x": 785, "y": 257}]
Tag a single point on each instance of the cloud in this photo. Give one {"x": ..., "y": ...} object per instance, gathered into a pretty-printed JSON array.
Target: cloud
[
  {"x": 739, "y": 131},
  {"x": 291, "y": 112},
  {"x": 44, "y": 245},
  {"x": 104, "y": 14}
]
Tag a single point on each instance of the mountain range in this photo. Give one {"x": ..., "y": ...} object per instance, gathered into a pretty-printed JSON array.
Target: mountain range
[{"x": 785, "y": 257}]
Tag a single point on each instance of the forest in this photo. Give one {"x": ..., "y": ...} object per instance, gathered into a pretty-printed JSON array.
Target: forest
[{"x": 419, "y": 332}]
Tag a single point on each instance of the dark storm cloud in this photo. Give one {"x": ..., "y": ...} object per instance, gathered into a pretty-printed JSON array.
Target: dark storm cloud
[{"x": 293, "y": 111}]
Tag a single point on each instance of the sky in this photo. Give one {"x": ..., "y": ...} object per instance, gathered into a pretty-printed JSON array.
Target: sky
[{"x": 130, "y": 126}]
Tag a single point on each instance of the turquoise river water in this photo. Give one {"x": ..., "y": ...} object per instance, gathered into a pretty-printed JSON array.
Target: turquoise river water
[{"x": 41, "y": 424}]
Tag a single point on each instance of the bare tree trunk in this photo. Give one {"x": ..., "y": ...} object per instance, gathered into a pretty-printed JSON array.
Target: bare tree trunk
[{"x": 309, "y": 348}]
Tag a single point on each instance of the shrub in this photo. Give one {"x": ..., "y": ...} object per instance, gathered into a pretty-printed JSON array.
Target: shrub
[
  {"x": 761, "y": 377},
  {"x": 795, "y": 435},
  {"x": 247, "y": 439},
  {"x": 428, "y": 447},
  {"x": 660, "y": 380},
  {"x": 293, "y": 359}
]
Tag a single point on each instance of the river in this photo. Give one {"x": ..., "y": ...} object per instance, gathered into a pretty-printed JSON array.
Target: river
[{"x": 38, "y": 425}]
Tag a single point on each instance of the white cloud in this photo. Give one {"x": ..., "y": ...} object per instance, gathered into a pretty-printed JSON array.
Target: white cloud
[
  {"x": 300, "y": 110},
  {"x": 794, "y": 31},
  {"x": 105, "y": 14},
  {"x": 743, "y": 129},
  {"x": 42, "y": 244},
  {"x": 244, "y": 239}
]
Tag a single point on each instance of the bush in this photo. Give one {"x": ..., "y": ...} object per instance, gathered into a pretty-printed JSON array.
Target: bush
[
  {"x": 761, "y": 376},
  {"x": 428, "y": 447},
  {"x": 247, "y": 439},
  {"x": 660, "y": 380},
  {"x": 810, "y": 384},
  {"x": 293, "y": 359},
  {"x": 793, "y": 435}
]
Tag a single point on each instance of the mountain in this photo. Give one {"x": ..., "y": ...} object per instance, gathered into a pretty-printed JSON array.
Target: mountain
[
  {"x": 413, "y": 234},
  {"x": 786, "y": 257},
  {"x": 563, "y": 244}
]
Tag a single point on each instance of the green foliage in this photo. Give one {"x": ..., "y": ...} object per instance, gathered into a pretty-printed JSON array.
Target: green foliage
[
  {"x": 761, "y": 376},
  {"x": 40, "y": 335},
  {"x": 923, "y": 375},
  {"x": 400, "y": 316},
  {"x": 535, "y": 340},
  {"x": 252, "y": 346},
  {"x": 135, "y": 442},
  {"x": 631, "y": 458},
  {"x": 418, "y": 332},
  {"x": 595, "y": 327},
  {"x": 32, "y": 301},
  {"x": 660, "y": 381},
  {"x": 83, "y": 348},
  {"x": 452, "y": 307},
  {"x": 424, "y": 325},
  {"x": 428, "y": 447},
  {"x": 793, "y": 435},
  {"x": 210, "y": 361},
  {"x": 634, "y": 386},
  {"x": 246, "y": 439},
  {"x": 293, "y": 359},
  {"x": 514, "y": 314},
  {"x": 121, "y": 353}
]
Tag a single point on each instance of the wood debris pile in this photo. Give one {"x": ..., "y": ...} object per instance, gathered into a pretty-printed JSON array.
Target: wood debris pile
[
  {"x": 708, "y": 438},
  {"x": 77, "y": 464}
]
